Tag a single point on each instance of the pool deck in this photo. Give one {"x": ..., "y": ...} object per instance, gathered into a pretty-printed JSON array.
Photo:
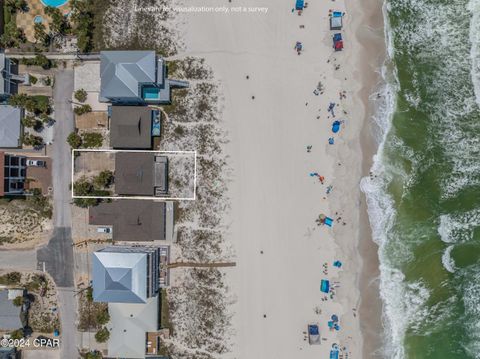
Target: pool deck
[{"x": 26, "y": 20}]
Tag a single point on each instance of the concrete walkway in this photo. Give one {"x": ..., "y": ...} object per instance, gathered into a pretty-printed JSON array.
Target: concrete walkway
[{"x": 18, "y": 259}]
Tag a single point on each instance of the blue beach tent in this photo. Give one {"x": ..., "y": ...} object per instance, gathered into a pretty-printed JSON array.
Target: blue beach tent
[
  {"x": 337, "y": 264},
  {"x": 334, "y": 354},
  {"x": 335, "y": 126},
  {"x": 299, "y": 5},
  {"x": 325, "y": 286},
  {"x": 328, "y": 221}
]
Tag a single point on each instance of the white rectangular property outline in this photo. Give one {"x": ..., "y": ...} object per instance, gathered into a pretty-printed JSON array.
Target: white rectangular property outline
[{"x": 194, "y": 153}]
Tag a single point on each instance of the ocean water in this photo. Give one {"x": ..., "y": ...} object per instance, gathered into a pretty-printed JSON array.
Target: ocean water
[{"x": 423, "y": 193}]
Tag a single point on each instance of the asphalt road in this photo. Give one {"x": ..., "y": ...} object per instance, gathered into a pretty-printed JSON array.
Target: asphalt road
[
  {"x": 58, "y": 253},
  {"x": 58, "y": 257}
]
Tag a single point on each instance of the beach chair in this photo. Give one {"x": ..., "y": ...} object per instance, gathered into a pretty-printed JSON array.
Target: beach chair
[
  {"x": 313, "y": 334},
  {"x": 337, "y": 42},
  {"x": 336, "y": 22}
]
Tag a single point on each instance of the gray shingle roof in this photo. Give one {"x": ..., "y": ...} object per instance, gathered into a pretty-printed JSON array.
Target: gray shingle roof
[
  {"x": 132, "y": 220},
  {"x": 131, "y": 127},
  {"x": 10, "y": 126},
  {"x": 134, "y": 173}
]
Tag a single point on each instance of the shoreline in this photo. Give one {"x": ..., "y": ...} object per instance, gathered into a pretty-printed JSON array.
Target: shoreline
[
  {"x": 278, "y": 247},
  {"x": 369, "y": 24}
]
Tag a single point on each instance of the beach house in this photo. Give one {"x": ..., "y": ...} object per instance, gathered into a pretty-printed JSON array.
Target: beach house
[
  {"x": 9, "y": 80},
  {"x": 127, "y": 278},
  {"x": 125, "y": 274},
  {"x": 135, "y": 220},
  {"x": 13, "y": 173},
  {"x": 133, "y": 127},
  {"x": 141, "y": 174},
  {"x": 135, "y": 77}
]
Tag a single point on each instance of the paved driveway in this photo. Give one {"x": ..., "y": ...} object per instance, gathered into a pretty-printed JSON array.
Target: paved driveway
[{"x": 58, "y": 253}]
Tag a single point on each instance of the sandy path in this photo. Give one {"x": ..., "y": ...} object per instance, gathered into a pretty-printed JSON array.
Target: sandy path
[{"x": 274, "y": 200}]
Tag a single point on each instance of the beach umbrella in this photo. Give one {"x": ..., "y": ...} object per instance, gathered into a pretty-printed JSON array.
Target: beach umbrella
[{"x": 334, "y": 318}]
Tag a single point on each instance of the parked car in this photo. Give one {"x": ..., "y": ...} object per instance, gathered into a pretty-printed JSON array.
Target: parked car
[
  {"x": 104, "y": 230},
  {"x": 36, "y": 163}
]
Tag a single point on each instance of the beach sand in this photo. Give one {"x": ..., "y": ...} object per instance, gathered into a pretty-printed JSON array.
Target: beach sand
[{"x": 271, "y": 117}]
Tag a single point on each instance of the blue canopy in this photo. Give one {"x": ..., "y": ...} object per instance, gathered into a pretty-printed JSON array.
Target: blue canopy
[
  {"x": 333, "y": 354},
  {"x": 299, "y": 5},
  {"x": 325, "y": 286},
  {"x": 313, "y": 329}
]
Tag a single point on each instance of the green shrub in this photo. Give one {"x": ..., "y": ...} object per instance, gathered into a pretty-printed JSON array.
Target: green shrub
[
  {"x": 40, "y": 34},
  {"x": 40, "y": 204},
  {"x": 102, "y": 335},
  {"x": 103, "y": 317},
  {"x": 83, "y": 19},
  {"x": 80, "y": 110},
  {"x": 11, "y": 278},
  {"x": 89, "y": 294},
  {"x": 32, "y": 140},
  {"x": 104, "y": 179},
  {"x": 18, "y": 301},
  {"x": 17, "y": 334},
  {"x": 33, "y": 80},
  {"x": 13, "y": 6},
  {"x": 29, "y": 121},
  {"x": 82, "y": 187},
  {"x": 58, "y": 23},
  {"x": 44, "y": 118},
  {"x": 179, "y": 130},
  {"x": 12, "y": 35},
  {"x": 81, "y": 95},
  {"x": 93, "y": 355},
  {"x": 74, "y": 140},
  {"x": 18, "y": 100},
  {"x": 92, "y": 140},
  {"x": 47, "y": 81}
]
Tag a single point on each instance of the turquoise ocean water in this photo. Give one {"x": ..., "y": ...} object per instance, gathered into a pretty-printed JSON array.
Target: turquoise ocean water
[{"x": 424, "y": 193}]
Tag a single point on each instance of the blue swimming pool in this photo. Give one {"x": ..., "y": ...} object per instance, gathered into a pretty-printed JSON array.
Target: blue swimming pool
[
  {"x": 150, "y": 93},
  {"x": 54, "y": 3}
]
